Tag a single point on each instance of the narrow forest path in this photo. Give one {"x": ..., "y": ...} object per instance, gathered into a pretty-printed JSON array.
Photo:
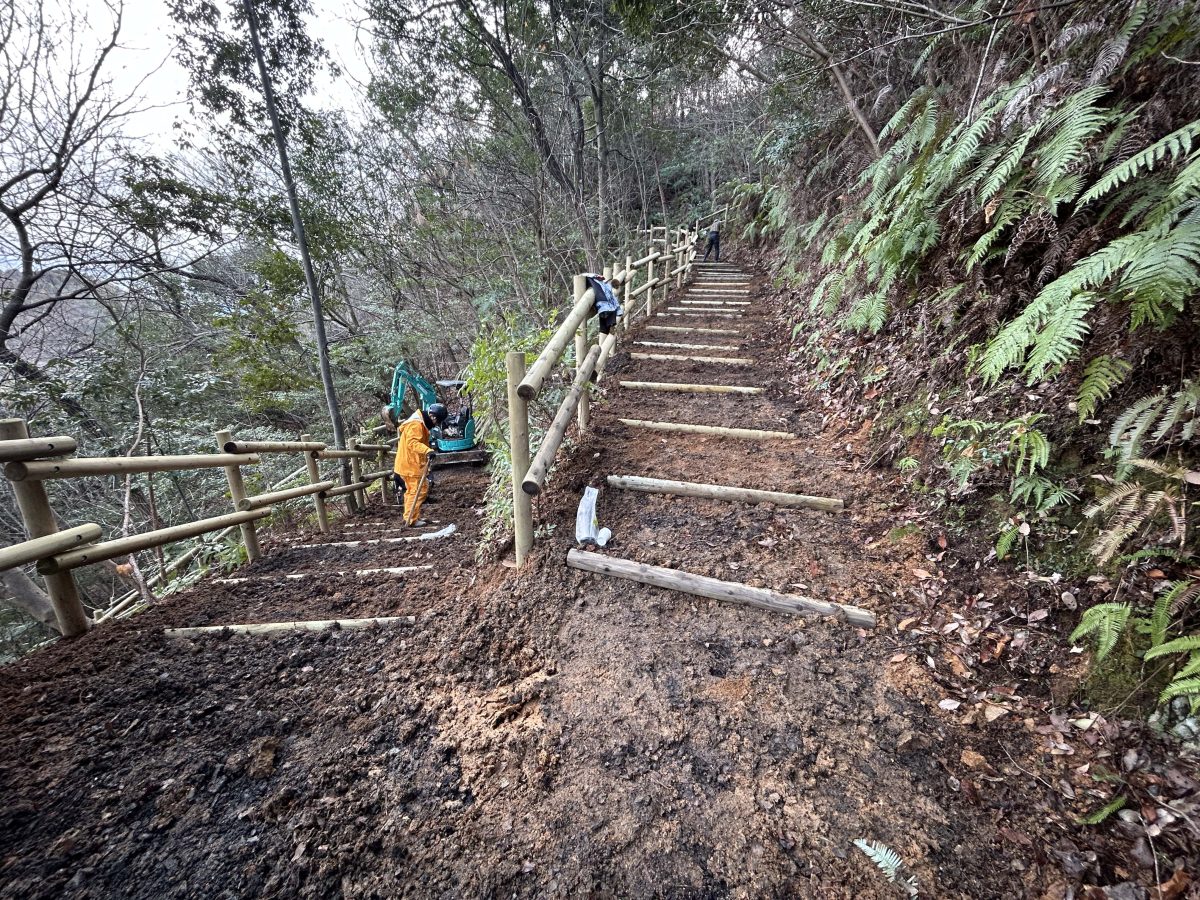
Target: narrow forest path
[{"x": 538, "y": 733}]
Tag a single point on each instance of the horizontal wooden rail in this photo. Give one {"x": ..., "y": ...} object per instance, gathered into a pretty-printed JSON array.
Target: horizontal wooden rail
[
  {"x": 344, "y": 489},
  {"x": 536, "y": 475},
  {"x": 22, "y": 449},
  {"x": 39, "y": 548},
  {"x": 343, "y": 454},
  {"x": 121, "y": 465},
  {"x": 648, "y": 258},
  {"x": 123, "y": 546},
  {"x": 649, "y": 285},
  {"x": 376, "y": 448},
  {"x": 531, "y": 386},
  {"x": 271, "y": 446},
  {"x": 375, "y": 476},
  {"x": 723, "y": 492},
  {"x": 263, "y": 500},
  {"x": 715, "y": 589}
]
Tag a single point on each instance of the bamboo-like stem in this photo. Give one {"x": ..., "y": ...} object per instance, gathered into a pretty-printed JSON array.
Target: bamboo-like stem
[
  {"x": 714, "y": 589},
  {"x": 722, "y": 492},
  {"x": 714, "y": 430},
  {"x": 690, "y": 388},
  {"x": 95, "y": 553},
  {"x": 342, "y": 454},
  {"x": 39, "y": 548},
  {"x": 23, "y": 449}
]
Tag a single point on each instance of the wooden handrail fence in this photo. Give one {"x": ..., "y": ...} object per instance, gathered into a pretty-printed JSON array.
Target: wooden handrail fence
[
  {"x": 30, "y": 461},
  {"x": 674, "y": 265}
]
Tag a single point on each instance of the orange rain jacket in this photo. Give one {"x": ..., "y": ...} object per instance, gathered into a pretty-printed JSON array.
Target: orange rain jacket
[{"x": 412, "y": 450}]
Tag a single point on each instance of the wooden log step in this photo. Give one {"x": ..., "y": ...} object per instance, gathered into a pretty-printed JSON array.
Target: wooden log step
[
  {"x": 721, "y": 492},
  {"x": 685, "y": 346},
  {"x": 717, "y": 304},
  {"x": 690, "y": 388},
  {"x": 715, "y": 589},
  {"x": 667, "y": 357},
  {"x": 285, "y": 627},
  {"x": 302, "y": 576},
  {"x": 431, "y": 536},
  {"x": 685, "y": 328},
  {"x": 714, "y": 430},
  {"x": 710, "y": 313}
]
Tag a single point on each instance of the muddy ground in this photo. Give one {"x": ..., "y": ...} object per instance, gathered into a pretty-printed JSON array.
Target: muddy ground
[{"x": 554, "y": 733}]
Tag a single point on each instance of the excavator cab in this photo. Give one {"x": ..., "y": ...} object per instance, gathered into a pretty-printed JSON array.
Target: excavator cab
[{"x": 454, "y": 440}]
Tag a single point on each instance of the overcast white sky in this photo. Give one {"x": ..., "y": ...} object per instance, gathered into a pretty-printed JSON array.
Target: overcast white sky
[{"x": 147, "y": 43}]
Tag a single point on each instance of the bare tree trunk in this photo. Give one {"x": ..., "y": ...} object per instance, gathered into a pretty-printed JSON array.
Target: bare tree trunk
[
  {"x": 20, "y": 592},
  {"x": 331, "y": 400}
]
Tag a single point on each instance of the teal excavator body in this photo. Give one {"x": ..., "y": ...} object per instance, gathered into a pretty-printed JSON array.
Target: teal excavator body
[{"x": 454, "y": 439}]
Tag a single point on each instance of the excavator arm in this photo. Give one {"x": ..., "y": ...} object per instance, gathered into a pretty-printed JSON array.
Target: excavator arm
[{"x": 404, "y": 378}]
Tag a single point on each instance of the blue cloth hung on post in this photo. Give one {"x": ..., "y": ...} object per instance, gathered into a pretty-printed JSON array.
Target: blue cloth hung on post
[{"x": 606, "y": 299}]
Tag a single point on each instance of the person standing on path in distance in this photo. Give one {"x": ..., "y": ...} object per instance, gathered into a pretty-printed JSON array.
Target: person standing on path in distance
[
  {"x": 714, "y": 240},
  {"x": 414, "y": 456}
]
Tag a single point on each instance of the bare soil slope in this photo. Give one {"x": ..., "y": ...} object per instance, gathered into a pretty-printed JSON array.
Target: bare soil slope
[{"x": 545, "y": 732}]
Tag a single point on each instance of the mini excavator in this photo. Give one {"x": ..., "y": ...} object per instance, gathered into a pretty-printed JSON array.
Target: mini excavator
[{"x": 454, "y": 440}]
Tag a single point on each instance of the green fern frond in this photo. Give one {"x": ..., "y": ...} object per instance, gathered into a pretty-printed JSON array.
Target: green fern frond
[
  {"x": 1008, "y": 213},
  {"x": 1188, "y": 687},
  {"x": 1103, "y": 812},
  {"x": 1192, "y": 667},
  {"x": 1107, "y": 621},
  {"x": 1073, "y": 123},
  {"x": 1175, "y": 145},
  {"x": 1100, "y": 377},
  {"x": 869, "y": 313},
  {"x": 1007, "y": 539},
  {"x": 1059, "y": 336},
  {"x": 1169, "y": 604},
  {"x": 1188, "y": 644}
]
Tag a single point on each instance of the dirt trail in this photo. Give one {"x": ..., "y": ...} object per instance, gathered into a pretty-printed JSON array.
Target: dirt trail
[{"x": 541, "y": 733}]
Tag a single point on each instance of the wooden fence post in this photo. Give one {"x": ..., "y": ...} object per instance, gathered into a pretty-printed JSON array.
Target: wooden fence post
[
  {"x": 650, "y": 280},
  {"x": 581, "y": 343},
  {"x": 628, "y": 290},
  {"x": 237, "y": 492},
  {"x": 314, "y": 477},
  {"x": 39, "y": 522},
  {"x": 358, "y": 499},
  {"x": 385, "y": 483},
  {"x": 679, "y": 236},
  {"x": 518, "y": 442}
]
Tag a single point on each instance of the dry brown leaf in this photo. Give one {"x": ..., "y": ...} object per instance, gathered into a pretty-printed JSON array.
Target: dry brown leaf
[
  {"x": 1174, "y": 887},
  {"x": 905, "y": 623},
  {"x": 921, "y": 574}
]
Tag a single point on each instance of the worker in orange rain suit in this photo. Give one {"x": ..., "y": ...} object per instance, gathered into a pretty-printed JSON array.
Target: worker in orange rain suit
[{"x": 414, "y": 456}]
